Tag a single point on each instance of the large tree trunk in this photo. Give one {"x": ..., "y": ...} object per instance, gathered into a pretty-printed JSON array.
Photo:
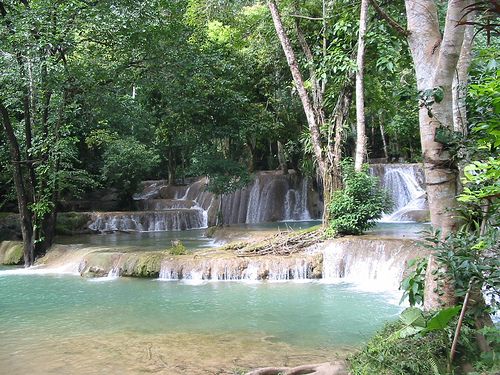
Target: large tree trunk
[
  {"x": 313, "y": 111},
  {"x": 460, "y": 80},
  {"x": 23, "y": 197},
  {"x": 360, "y": 95},
  {"x": 435, "y": 61},
  {"x": 299, "y": 84}
]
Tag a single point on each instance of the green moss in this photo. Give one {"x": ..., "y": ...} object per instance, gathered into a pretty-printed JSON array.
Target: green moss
[
  {"x": 148, "y": 265},
  {"x": 11, "y": 253},
  {"x": 232, "y": 246}
]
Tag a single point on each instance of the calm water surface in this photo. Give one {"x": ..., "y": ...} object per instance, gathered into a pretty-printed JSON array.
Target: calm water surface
[{"x": 66, "y": 324}]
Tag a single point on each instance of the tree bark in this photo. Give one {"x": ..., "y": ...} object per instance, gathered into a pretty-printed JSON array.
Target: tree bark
[
  {"x": 23, "y": 199},
  {"x": 460, "y": 80},
  {"x": 171, "y": 167},
  {"x": 382, "y": 133},
  {"x": 282, "y": 158},
  {"x": 360, "y": 96},
  {"x": 341, "y": 113},
  {"x": 435, "y": 61},
  {"x": 299, "y": 84}
]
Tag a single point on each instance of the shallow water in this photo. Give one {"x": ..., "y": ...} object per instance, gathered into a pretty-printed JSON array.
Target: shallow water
[
  {"x": 192, "y": 238},
  {"x": 66, "y": 324},
  {"x": 196, "y": 238}
]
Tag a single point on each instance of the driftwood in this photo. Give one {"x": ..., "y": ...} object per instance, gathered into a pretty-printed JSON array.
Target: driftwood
[
  {"x": 283, "y": 243},
  {"x": 328, "y": 368}
]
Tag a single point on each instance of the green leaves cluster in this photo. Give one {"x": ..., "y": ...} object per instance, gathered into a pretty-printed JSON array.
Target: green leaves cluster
[
  {"x": 126, "y": 163},
  {"x": 387, "y": 354},
  {"x": 413, "y": 285},
  {"x": 356, "y": 206},
  {"x": 414, "y": 322}
]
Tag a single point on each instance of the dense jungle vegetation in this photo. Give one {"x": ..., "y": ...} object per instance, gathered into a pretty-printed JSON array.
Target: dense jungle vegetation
[{"x": 99, "y": 94}]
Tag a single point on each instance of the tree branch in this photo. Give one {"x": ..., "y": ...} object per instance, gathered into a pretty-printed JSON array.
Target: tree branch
[
  {"x": 307, "y": 17},
  {"x": 396, "y": 26}
]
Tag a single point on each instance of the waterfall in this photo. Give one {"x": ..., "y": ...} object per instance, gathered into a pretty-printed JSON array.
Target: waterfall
[
  {"x": 371, "y": 264},
  {"x": 253, "y": 203},
  {"x": 405, "y": 184},
  {"x": 272, "y": 196},
  {"x": 113, "y": 273},
  {"x": 149, "y": 221},
  {"x": 232, "y": 269},
  {"x": 275, "y": 197}
]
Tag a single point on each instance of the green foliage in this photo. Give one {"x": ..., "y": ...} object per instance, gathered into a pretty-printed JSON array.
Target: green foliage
[
  {"x": 354, "y": 208},
  {"x": 489, "y": 362},
  {"x": 177, "y": 248},
  {"x": 415, "y": 323},
  {"x": 429, "y": 97},
  {"x": 467, "y": 257},
  {"x": 224, "y": 175},
  {"x": 389, "y": 354},
  {"x": 126, "y": 163},
  {"x": 413, "y": 285}
]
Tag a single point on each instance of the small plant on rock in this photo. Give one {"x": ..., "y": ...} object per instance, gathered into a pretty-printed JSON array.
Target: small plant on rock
[{"x": 177, "y": 248}]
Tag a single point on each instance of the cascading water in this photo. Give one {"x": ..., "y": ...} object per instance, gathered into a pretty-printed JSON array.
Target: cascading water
[
  {"x": 405, "y": 184},
  {"x": 162, "y": 207},
  {"x": 232, "y": 269},
  {"x": 149, "y": 221},
  {"x": 278, "y": 197},
  {"x": 375, "y": 265}
]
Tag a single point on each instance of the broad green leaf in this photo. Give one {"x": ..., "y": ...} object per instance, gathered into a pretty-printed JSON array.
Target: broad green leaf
[
  {"x": 441, "y": 319},
  {"x": 412, "y": 316}
]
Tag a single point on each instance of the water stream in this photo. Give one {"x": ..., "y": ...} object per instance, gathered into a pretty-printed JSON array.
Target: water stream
[
  {"x": 194, "y": 319},
  {"x": 63, "y": 324}
]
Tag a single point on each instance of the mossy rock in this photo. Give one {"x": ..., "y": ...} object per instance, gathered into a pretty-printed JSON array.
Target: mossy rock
[
  {"x": 69, "y": 223},
  {"x": 145, "y": 265},
  {"x": 177, "y": 248},
  {"x": 210, "y": 232},
  {"x": 11, "y": 252}
]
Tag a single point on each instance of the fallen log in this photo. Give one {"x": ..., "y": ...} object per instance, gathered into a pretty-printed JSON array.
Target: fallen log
[{"x": 328, "y": 368}]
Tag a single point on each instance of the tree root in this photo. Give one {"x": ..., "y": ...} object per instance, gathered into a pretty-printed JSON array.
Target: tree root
[
  {"x": 283, "y": 243},
  {"x": 328, "y": 368}
]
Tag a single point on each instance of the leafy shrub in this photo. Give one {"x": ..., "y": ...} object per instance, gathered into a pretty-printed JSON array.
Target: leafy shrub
[
  {"x": 413, "y": 285},
  {"x": 177, "y": 248},
  {"x": 388, "y": 354},
  {"x": 354, "y": 208}
]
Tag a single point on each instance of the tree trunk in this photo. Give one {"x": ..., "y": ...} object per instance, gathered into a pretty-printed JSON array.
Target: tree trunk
[
  {"x": 360, "y": 96},
  {"x": 341, "y": 113},
  {"x": 382, "y": 133},
  {"x": 171, "y": 167},
  {"x": 282, "y": 158},
  {"x": 435, "y": 61},
  {"x": 23, "y": 199},
  {"x": 460, "y": 80},
  {"x": 299, "y": 84}
]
